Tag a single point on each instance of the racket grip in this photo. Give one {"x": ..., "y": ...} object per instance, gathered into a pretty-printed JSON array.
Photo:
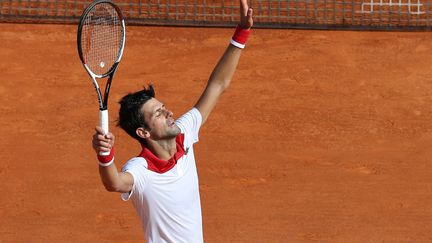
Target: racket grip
[{"x": 103, "y": 115}]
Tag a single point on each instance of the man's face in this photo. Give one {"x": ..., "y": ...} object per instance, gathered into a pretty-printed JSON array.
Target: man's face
[{"x": 160, "y": 120}]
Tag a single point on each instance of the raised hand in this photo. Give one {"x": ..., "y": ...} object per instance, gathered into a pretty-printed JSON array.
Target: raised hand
[
  {"x": 102, "y": 142},
  {"x": 246, "y": 20}
]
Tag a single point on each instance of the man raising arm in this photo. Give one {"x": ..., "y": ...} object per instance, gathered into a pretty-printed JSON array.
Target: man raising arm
[
  {"x": 224, "y": 70},
  {"x": 162, "y": 181}
]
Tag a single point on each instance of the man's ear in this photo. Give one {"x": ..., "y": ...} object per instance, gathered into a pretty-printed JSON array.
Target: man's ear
[{"x": 142, "y": 133}]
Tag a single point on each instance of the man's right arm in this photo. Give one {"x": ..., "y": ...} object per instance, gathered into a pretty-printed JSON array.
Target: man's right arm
[
  {"x": 222, "y": 74},
  {"x": 113, "y": 180}
]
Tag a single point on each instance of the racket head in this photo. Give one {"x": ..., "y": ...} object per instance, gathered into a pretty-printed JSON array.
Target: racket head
[{"x": 101, "y": 37}]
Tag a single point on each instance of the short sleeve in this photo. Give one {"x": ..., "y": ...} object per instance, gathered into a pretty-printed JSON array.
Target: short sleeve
[
  {"x": 190, "y": 123},
  {"x": 137, "y": 168}
]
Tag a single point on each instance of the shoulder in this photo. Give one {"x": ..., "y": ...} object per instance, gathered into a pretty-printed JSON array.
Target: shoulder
[
  {"x": 135, "y": 163},
  {"x": 190, "y": 124},
  {"x": 137, "y": 168},
  {"x": 190, "y": 119}
]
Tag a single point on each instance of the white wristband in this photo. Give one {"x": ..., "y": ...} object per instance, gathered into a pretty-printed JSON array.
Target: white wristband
[{"x": 236, "y": 44}]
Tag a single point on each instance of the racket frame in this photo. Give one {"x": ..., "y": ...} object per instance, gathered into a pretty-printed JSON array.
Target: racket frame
[{"x": 103, "y": 101}]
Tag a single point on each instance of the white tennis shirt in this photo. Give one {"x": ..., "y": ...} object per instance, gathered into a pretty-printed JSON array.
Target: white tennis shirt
[{"x": 168, "y": 203}]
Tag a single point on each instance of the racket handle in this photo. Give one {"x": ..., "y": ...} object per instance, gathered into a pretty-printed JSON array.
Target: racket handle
[{"x": 103, "y": 115}]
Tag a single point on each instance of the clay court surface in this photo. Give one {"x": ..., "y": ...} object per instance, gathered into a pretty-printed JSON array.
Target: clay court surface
[{"x": 323, "y": 136}]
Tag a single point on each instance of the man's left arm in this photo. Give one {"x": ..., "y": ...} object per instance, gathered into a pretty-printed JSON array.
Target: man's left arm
[{"x": 223, "y": 72}]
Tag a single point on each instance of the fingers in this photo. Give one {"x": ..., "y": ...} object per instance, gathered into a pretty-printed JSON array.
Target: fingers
[
  {"x": 101, "y": 147},
  {"x": 243, "y": 7},
  {"x": 102, "y": 142},
  {"x": 99, "y": 130},
  {"x": 249, "y": 18},
  {"x": 246, "y": 13}
]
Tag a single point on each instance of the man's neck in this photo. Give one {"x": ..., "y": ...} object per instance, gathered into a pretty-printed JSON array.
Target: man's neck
[{"x": 163, "y": 149}]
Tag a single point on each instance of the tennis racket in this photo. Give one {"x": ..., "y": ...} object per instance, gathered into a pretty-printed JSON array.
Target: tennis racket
[{"x": 101, "y": 39}]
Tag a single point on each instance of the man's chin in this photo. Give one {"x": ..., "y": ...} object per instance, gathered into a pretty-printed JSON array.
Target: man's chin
[{"x": 175, "y": 131}]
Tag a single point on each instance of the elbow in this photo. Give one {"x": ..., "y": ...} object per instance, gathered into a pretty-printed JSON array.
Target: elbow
[
  {"x": 225, "y": 86},
  {"x": 222, "y": 85},
  {"x": 220, "y": 81},
  {"x": 111, "y": 187}
]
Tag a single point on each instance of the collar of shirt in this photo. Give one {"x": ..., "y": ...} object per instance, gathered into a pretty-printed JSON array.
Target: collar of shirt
[{"x": 161, "y": 166}]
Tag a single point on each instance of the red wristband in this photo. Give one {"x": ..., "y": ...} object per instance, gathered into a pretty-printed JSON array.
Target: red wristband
[
  {"x": 106, "y": 160},
  {"x": 240, "y": 37}
]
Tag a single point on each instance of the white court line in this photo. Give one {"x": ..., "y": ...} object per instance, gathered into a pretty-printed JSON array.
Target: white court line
[{"x": 391, "y": 3}]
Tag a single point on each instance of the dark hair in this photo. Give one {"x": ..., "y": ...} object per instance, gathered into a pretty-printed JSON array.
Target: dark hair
[{"x": 130, "y": 115}]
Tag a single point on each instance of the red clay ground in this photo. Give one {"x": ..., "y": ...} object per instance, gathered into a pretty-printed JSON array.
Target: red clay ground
[{"x": 322, "y": 137}]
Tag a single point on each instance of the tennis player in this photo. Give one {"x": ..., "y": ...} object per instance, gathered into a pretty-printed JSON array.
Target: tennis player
[{"x": 162, "y": 182}]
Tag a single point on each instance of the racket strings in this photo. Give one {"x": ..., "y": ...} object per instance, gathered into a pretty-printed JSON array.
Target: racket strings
[{"x": 102, "y": 37}]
